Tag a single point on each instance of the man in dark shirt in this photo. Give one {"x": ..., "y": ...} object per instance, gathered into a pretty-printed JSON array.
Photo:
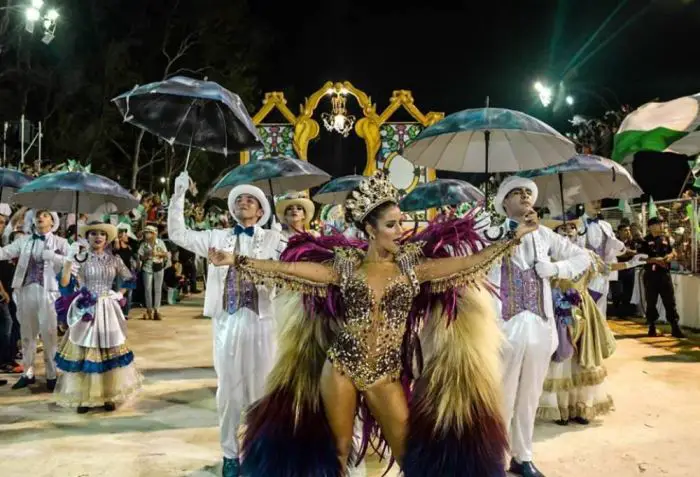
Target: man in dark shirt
[
  {"x": 657, "y": 277},
  {"x": 624, "y": 286}
]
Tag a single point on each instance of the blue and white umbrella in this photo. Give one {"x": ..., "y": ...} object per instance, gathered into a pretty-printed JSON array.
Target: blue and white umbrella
[
  {"x": 489, "y": 140},
  {"x": 191, "y": 112},
  {"x": 10, "y": 181},
  {"x": 73, "y": 191},
  {"x": 583, "y": 178},
  {"x": 273, "y": 176},
  {"x": 337, "y": 190},
  {"x": 439, "y": 193}
]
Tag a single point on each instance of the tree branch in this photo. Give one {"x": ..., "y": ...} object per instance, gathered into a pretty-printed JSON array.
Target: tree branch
[
  {"x": 152, "y": 161},
  {"x": 188, "y": 42},
  {"x": 198, "y": 71},
  {"x": 119, "y": 146}
]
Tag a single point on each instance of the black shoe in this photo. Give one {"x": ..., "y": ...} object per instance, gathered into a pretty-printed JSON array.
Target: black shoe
[
  {"x": 51, "y": 384},
  {"x": 23, "y": 382},
  {"x": 562, "y": 422},
  {"x": 109, "y": 406},
  {"x": 652, "y": 332},
  {"x": 582, "y": 421},
  {"x": 676, "y": 332},
  {"x": 3, "y": 382},
  {"x": 526, "y": 469},
  {"x": 231, "y": 468},
  {"x": 83, "y": 409}
]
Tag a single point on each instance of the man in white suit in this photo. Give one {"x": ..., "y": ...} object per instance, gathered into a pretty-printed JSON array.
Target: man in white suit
[
  {"x": 241, "y": 312},
  {"x": 526, "y": 315},
  {"x": 40, "y": 257},
  {"x": 601, "y": 239}
]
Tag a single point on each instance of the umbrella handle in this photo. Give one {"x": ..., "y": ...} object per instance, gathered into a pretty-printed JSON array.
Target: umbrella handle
[{"x": 189, "y": 149}]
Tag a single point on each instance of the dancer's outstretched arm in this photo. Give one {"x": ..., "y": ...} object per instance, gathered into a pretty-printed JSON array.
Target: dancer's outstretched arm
[
  {"x": 457, "y": 271},
  {"x": 300, "y": 276}
]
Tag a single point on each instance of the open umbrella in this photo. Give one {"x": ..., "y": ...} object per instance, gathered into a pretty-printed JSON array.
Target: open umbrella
[
  {"x": 337, "y": 190},
  {"x": 489, "y": 140},
  {"x": 10, "y": 181},
  {"x": 439, "y": 193},
  {"x": 583, "y": 178},
  {"x": 192, "y": 113},
  {"x": 79, "y": 192},
  {"x": 273, "y": 176}
]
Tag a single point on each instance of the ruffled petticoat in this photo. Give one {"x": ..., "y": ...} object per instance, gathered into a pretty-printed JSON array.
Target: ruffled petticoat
[
  {"x": 92, "y": 376},
  {"x": 97, "y": 365},
  {"x": 571, "y": 391}
]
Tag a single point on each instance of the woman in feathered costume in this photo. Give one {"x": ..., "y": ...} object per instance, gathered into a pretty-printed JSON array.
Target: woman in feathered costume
[
  {"x": 349, "y": 343},
  {"x": 575, "y": 385}
]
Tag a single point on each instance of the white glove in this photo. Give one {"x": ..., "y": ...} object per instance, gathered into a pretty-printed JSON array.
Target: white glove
[
  {"x": 546, "y": 269},
  {"x": 48, "y": 255},
  {"x": 182, "y": 183},
  {"x": 73, "y": 251},
  {"x": 116, "y": 296},
  {"x": 637, "y": 260}
]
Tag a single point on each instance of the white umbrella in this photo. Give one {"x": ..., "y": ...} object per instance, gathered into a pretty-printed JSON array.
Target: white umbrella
[
  {"x": 583, "y": 178},
  {"x": 489, "y": 140}
]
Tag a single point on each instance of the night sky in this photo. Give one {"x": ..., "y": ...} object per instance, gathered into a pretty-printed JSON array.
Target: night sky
[{"x": 452, "y": 55}]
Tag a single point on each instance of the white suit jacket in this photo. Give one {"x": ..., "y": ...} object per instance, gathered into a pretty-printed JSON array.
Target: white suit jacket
[
  {"x": 25, "y": 246},
  {"x": 267, "y": 244},
  {"x": 595, "y": 233},
  {"x": 543, "y": 245}
]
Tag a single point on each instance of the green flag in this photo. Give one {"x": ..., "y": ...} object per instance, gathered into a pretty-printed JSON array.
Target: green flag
[
  {"x": 652, "y": 208},
  {"x": 624, "y": 206}
]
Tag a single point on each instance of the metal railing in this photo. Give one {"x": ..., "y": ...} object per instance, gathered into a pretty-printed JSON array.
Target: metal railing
[{"x": 681, "y": 221}]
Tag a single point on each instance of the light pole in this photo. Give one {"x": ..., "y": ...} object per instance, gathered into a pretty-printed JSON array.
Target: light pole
[{"x": 38, "y": 12}]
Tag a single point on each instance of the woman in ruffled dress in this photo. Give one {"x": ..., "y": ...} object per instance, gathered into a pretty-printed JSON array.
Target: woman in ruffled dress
[
  {"x": 349, "y": 342},
  {"x": 575, "y": 386},
  {"x": 97, "y": 365}
]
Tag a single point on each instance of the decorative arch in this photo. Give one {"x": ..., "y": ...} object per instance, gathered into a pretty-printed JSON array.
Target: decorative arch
[{"x": 384, "y": 140}]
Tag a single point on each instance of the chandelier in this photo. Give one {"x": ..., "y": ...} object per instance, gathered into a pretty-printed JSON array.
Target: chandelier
[{"x": 339, "y": 120}]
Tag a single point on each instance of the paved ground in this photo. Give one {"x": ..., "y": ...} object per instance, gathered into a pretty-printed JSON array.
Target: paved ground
[{"x": 171, "y": 429}]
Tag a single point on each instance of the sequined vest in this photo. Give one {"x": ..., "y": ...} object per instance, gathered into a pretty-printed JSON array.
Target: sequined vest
[
  {"x": 521, "y": 290},
  {"x": 35, "y": 271},
  {"x": 239, "y": 293}
]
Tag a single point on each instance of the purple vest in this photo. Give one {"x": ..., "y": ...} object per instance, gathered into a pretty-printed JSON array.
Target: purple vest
[
  {"x": 239, "y": 293},
  {"x": 521, "y": 290},
  {"x": 35, "y": 272}
]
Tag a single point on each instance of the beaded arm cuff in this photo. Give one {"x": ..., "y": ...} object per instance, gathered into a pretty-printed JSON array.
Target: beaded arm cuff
[
  {"x": 467, "y": 276},
  {"x": 294, "y": 276}
]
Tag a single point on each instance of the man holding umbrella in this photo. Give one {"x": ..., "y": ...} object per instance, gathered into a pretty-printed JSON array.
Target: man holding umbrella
[
  {"x": 241, "y": 312},
  {"x": 40, "y": 255},
  {"x": 526, "y": 314}
]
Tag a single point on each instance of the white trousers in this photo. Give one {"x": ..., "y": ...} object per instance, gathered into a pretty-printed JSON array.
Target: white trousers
[
  {"x": 244, "y": 352},
  {"x": 36, "y": 315},
  {"x": 526, "y": 355}
]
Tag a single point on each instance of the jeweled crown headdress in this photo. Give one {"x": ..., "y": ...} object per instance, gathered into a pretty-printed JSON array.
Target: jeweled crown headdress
[{"x": 370, "y": 194}]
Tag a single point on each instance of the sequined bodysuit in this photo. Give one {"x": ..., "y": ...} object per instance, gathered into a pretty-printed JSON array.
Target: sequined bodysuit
[{"x": 368, "y": 347}]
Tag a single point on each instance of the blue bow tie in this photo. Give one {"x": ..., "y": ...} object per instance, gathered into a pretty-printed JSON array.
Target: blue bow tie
[
  {"x": 38, "y": 237},
  {"x": 238, "y": 230},
  {"x": 592, "y": 220}
]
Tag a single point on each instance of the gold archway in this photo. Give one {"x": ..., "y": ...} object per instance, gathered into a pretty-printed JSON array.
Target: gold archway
[{"x": 306, "y": 128}]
